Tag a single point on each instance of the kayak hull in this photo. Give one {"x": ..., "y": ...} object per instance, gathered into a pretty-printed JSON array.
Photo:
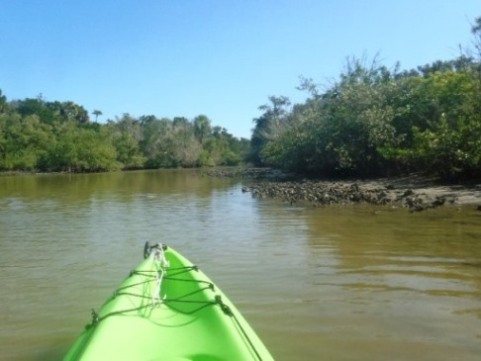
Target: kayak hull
[{"x": 168, "y": 309}]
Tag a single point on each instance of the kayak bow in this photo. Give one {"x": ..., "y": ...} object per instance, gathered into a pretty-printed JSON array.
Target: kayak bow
[{"x": 167, "y": 309}]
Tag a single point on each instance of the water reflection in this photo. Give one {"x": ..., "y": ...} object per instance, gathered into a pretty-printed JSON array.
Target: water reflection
[
  {"x": 389, "y": 242},
  {"x": 409, "y": 279},
  {"x": 122, "y": 185}
]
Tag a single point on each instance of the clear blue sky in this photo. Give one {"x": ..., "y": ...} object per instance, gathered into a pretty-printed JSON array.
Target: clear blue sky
[{"x": 221, "y": 58}]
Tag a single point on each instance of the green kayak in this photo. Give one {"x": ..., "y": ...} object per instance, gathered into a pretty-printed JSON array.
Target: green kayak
[{"x": 167, "y": 309}]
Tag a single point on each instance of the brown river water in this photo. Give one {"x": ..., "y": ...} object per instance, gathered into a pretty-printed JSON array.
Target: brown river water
[{"x": 333, "y": 283}]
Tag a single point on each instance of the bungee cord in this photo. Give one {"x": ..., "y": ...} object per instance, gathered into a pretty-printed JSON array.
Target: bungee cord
[{"x": 164, "y": 272}]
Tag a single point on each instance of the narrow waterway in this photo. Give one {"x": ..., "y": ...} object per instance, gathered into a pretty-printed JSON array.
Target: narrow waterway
[{"x": 335, "y": 283}]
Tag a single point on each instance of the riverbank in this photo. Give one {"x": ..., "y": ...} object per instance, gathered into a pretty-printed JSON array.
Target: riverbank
[{"x": 414, "y": 192}]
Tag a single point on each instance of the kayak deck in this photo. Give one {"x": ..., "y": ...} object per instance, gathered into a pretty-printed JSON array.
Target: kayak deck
[{"x": 167, "y": 309}]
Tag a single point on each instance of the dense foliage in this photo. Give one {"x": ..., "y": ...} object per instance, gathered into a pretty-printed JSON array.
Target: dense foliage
[
  {"x": 59, "y": 136},
  {"x": 376, "y": 121}
]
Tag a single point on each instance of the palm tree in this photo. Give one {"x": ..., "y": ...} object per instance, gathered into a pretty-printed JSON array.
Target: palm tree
[{"x": 96, "y": 113}]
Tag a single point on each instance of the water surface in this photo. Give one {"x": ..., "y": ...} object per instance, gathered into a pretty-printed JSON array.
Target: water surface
[{"x": 336, "y": 283}]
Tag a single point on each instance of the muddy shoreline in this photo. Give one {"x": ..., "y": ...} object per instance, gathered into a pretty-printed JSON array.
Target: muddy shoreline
[{"x": 415, "y": 193}]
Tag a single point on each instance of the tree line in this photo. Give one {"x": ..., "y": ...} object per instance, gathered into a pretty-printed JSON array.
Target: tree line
[
  {"x": 377, "y": 121},
  {"x": 41, "y": 135}
]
